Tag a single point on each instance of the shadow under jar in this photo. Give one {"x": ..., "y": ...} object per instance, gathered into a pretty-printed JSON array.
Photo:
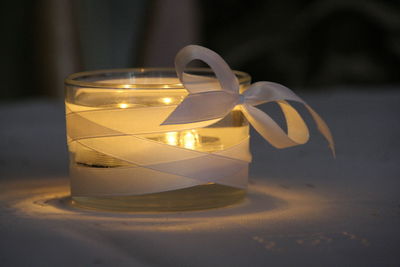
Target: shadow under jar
[{"x": 123, "y": 159}]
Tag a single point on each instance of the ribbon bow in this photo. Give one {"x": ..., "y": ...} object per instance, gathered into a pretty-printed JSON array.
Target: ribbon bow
[{"x": 215, "y": 101}]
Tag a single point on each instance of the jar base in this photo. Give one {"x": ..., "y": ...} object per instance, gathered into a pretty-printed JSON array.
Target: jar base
[{"x": 199, "y": 197}]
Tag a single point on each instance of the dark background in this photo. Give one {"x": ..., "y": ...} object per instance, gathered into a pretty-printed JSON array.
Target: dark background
[
  {"x": 304, "y": 44},
  {"x": 342, "y": 56}
]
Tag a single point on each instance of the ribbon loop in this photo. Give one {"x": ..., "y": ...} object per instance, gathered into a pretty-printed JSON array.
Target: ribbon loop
[
  {"x": 225, "y": 76},
  {"x": 206, "y": 102}
]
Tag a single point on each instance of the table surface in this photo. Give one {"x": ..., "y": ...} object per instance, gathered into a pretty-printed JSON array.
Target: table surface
[{"x": 303, "y": 208}]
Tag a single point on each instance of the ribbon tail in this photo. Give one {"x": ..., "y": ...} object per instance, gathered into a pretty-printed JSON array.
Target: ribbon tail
[
  {"x": 323, "y": 129},
  {"x": 272, "y": 132},
  {"x": 262, "y": 92}
]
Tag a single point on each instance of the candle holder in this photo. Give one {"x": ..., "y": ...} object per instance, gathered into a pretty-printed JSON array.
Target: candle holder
[
  {"x": 172, "y": 139},
  {"x": 123, "y": 158}
]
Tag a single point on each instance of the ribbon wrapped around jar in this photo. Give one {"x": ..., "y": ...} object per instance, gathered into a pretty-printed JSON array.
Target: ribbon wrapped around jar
[{"x": 131, "y": 135}]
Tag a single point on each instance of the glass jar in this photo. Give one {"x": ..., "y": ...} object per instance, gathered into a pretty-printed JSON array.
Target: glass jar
[{"x": 123, "y": 159}]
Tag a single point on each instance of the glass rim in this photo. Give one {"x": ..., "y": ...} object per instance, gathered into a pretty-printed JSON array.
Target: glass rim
[{"x": 243, "y": 77}]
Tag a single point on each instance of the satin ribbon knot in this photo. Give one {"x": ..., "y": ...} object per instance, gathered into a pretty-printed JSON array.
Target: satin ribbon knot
[{"x": 211, "y": 98}]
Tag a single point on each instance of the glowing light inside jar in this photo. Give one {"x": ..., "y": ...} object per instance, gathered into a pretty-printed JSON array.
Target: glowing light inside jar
[
  {"x": 190, "y": 139},
  {"x": 172, "y": 138},
  {"x": 123, "y": 105},
  {"x": 166, "y": 100}
]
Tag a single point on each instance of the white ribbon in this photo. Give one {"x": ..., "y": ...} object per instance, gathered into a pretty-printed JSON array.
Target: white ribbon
[
  {"x": 138, "y": 165},
  {"x": 216, "y": 101},
  {"x": 143, "y": 166}
]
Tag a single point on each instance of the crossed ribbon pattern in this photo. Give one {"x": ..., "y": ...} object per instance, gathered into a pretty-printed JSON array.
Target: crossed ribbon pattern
[
  {"x": 213, "y": 102},
  {"x": 139, "y": 165}
]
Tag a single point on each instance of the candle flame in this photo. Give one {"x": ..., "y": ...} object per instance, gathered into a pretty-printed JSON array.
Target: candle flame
[
  {"x": 189, "y": 140},
  {"x": 166, "y": 100},
  {"x": 122, "y": 105},
  {"x": 172, "y": 138}
]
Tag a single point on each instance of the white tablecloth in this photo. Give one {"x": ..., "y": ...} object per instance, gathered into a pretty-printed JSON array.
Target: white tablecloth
[{"x": 304, "y": 208}]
